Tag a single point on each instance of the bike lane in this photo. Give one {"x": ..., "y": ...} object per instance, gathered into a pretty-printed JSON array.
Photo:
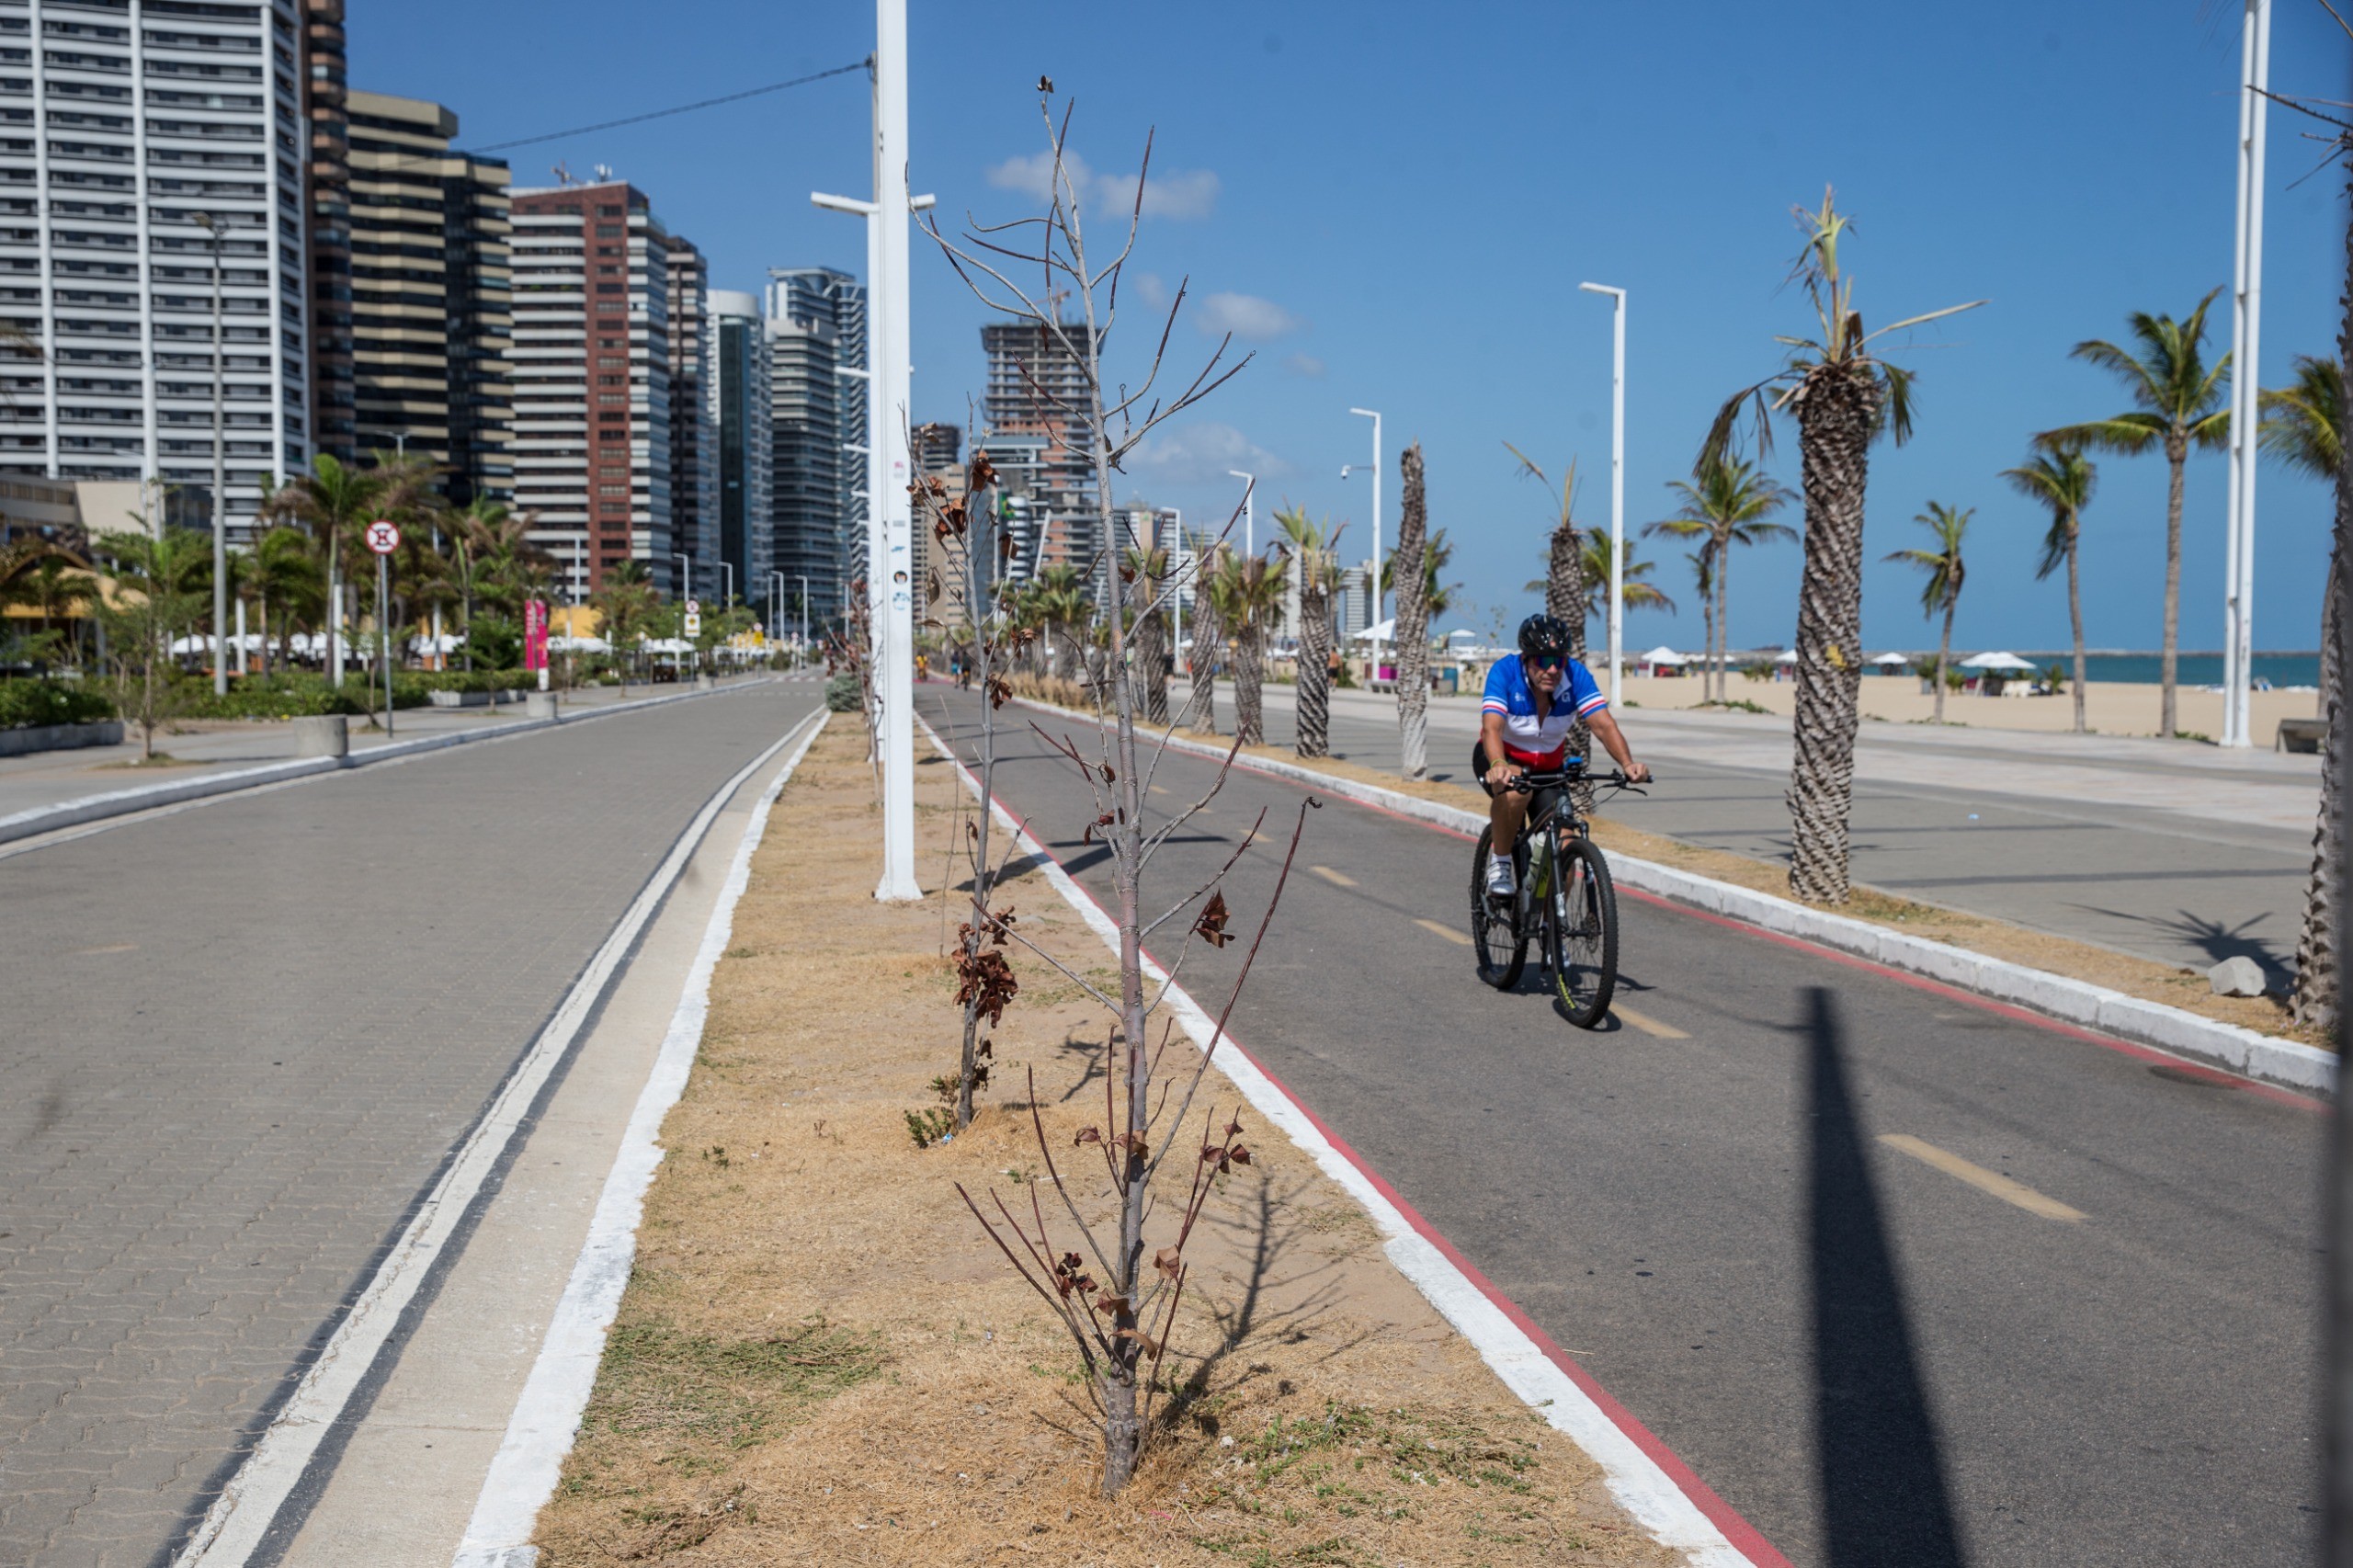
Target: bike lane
[{"x": 1900, "y": 1275}]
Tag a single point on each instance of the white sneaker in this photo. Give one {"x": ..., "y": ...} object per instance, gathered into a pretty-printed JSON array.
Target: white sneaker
[{"x": 1499, "y": 878}]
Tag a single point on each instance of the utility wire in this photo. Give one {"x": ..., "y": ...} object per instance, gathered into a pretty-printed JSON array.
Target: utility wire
[{"x": 664, "y": 113}]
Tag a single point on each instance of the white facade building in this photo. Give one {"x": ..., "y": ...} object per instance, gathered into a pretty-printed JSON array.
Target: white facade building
[{"x": 120, "y": 121}]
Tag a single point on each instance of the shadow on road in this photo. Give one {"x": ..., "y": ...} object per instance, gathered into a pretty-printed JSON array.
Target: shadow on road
[{"x": 1881, "y": 1473}]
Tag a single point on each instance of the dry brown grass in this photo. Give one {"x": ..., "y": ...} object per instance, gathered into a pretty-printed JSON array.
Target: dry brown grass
[{"x": 820, "y": 1360}]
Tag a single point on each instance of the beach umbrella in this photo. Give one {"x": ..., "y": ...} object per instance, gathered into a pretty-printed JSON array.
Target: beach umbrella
[
  {"x": 2006, "y": 663},
  {"x": 1785, "y": 656},
  {"x": 1894, "y": 661},
  {"x": 1662, "y": 654}
]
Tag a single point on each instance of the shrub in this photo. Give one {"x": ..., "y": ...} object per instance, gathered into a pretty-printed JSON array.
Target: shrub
[
  {"x": 25, "y": 704},
  {"x": 495, "y": 639},
  {"x": 844, "y": 694}
]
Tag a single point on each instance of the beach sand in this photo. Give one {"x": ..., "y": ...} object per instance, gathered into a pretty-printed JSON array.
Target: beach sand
[{"x": 2110, "y": 707}]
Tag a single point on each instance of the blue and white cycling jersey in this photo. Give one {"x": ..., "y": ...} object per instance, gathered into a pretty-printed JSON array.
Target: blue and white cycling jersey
[{"x": 1539, "y": 743}]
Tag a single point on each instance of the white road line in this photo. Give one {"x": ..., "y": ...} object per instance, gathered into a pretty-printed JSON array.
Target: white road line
[
  {"x": 242, "y": 1514},
  {"x": 547, "y": 1415},
  {"x": 1634, "y": 1479}
]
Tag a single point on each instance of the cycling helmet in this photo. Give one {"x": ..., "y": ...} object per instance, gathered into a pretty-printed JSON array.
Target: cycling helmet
[{"x": 1542, "y": 636}]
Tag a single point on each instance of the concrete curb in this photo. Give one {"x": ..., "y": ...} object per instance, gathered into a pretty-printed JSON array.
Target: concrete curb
[
  {"x": 122, "y": 803},
  {"x": 2072, "y": 1001}
]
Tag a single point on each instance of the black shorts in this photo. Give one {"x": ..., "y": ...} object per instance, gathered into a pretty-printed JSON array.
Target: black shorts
[{"x": 1539, "y": 803}]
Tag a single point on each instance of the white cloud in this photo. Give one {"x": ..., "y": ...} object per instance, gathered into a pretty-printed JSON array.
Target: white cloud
[
  {"x": 1306, "y": 365},
  {"x": 1201, "y": 452},
  {"x": 1188, "y": 195},
  {"x": 1246, "y": 317},
  {"x": 1151, "y": 290}
]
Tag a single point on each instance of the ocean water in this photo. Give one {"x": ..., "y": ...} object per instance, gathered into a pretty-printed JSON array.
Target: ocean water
[{"x": 2191, "y": 669}]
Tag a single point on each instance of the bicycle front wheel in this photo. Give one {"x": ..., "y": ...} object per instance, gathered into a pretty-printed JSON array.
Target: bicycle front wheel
[
  {"x": 1580, "y": 933},
  {"x": 1495, "y": 930}
]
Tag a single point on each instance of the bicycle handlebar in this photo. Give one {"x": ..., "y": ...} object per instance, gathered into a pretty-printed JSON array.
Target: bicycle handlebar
[{"x": 1528, "y": 783}]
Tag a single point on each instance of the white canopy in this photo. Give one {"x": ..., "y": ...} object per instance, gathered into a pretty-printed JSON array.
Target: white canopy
[
  {"x": 1997, "y": 661},
  {"x": 1662, "y": 654},
  {"x": 578, "y": 645},
  {"x": 1785, "y": 656},
  {"x": 1463, "y": 634},
  {"x": 1894, "y": 661},
  {"x": 1385, "y": 633},
  {"x": 449, "y": 642},
  {"x": 665, "y": 646}
]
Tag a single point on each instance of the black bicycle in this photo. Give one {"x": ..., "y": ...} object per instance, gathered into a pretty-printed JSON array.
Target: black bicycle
[{"x": 1565, "y": 900}]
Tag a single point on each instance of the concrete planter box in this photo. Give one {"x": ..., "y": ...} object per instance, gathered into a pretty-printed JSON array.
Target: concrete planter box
[
  {"x": 471, "y": 698},
  {"x": 540, "y": 704},
  {"x": 322, "y": 735},
  {"x": 59, "y": 737}
]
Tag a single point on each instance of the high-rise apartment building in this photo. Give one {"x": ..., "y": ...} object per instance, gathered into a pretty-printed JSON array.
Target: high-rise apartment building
[
  {"x": 431, "y": 313},
  {"x": 693, "y": 462},
  {"x": 127, "y": 120},
  {"x": 1037, "y": 388},
  {"x": 817, "y": 329},
  {"x": 592, "y": 380},
  {"x": 742, "y": 418},
  {"x": 326, "y": 175}
]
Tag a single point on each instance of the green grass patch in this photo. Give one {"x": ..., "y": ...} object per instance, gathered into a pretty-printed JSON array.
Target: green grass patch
[{"x": 661, "y": 1383}]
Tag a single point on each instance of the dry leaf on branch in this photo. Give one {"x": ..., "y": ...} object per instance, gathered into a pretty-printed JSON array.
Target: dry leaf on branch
[{"x": 1210, "y": 926}]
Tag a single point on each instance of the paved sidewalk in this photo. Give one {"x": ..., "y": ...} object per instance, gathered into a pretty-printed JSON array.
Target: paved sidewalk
[
  {"x": 2169, "y": 849},
  {"x": 240, "y": 1041}
]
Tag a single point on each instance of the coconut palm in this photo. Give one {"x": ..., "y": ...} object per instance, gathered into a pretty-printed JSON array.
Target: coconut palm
[
  {"x": 1064, "y": 607},
  {"x": 1845, "y": 395},
  {"x": 2063, "y": 480},
  {"x": 1946, "y": 570},
  {"x": 1249, "y": 591},
  {"x": 1413, "y": 561},
  {"x": 1207, "y": 649},
  {"x": 1731, "y": 503},
  {"x": 624, "y": 605},
  {"x": 1148, "y": 627},
  {"x": 289, "y": 580},
  {"x": 335, "y": 501},
  {"x": 1563, "y": 585},
  {"x": 1594, "y": 568},
  {"x": 2182, "y": 403},
  {"x": 2303, "y": 426},
  {"x": 1315, "y": 557}
]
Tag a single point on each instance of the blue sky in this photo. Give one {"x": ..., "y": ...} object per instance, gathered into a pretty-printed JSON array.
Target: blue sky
[{"x": 1395, "y": 204}]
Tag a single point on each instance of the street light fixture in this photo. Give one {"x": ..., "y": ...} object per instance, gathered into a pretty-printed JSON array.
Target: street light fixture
[
  {"x": 1616, "y": 486},
  {"x": 218, "y": 229}
]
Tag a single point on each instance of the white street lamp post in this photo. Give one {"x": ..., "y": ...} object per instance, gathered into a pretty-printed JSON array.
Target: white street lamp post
[
  {"x": 1616, "y": 486},
  {"x": 804, "y": 616},
  {"x": 2246, "y": 321},
  {"x": 1249, "y": 524},
  {"x": 217, "y": 229}
]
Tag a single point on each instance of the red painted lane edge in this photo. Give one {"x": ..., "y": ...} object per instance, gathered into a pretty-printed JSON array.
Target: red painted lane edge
[
  {"x": 1853, "y": 961},
  {"x": 1743, "y": 1536}
]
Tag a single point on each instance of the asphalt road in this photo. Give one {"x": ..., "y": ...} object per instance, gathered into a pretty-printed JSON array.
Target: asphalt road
[
  {"x": 241, "y": 1041},
  {"x": 2159, "y": 848},
  {"x": 1877, "y": 1352}
]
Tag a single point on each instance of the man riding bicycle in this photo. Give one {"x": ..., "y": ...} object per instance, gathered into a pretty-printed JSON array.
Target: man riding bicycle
[{"x": 1532, "y": 700}]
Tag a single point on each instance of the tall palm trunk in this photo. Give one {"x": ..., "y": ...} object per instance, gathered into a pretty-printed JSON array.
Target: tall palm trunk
[
  {"x": 1249, "y": 671},
  {"x": 1564, "y": 601},
  {"x": 1314, "y": 691},
  {"x": 1944, "y": 654},
  {"x": 1413, "y": 620},
  {"x": 1151, "y": 631},
  {"x": 1722, "y": 649},
  {"x": 2176, "y": 454},
  {"x": 2318, "y": 949},
  {"x": 1834, "y": 409},
  {"x": 1200, "y": 714},
  {"x": 2075, "y": 614}
]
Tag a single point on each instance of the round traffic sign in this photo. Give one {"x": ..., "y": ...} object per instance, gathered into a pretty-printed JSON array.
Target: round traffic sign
[
  {"x": 383, "y": 538},
  {"x": 694, "y": 607}
]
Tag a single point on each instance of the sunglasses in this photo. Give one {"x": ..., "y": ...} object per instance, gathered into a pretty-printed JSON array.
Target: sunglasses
[{"x": 1549, "y": 661}]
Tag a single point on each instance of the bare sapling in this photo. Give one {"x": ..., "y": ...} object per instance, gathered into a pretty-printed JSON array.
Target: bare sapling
[{"x": 1111, "y": 1264}]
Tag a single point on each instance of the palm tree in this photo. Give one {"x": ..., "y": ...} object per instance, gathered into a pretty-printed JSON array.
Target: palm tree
[
  {"x": 2181, "y": 404},
  {"x": 2303, "y": 426},
  {"x": 335, "y": 501},
  {"x": 1594, "y": 568},
  {"x": 1062, "y": 606},
  {"x": 1249, "y": 591},
  {"x": 2062, "y": 479},
  {"x": 288, "y": 580},
  {"x": 155, "y": 579},
  {"x": 1731, "y": 504},
  {"x": 1148, "y": 626},
  {"x": 1315, "y": 554},
  {"x": 1844, "y": 396},
  {"x": 1413, "y": 582},
  {"x": 49, "y": 581},
  {"x": 1703, "y": 582},
  {"x": 1563, "y": 587},
  {"x": 1208, "y": 646},
  {"x": 1945, "y": 569},
  {"x": 624, "y": 604}
]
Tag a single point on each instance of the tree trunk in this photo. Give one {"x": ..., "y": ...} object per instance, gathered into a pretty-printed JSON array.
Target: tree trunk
[
  {"x": 1151, "y": 650},
  {"x": 1315, "y": 690},
  {"x": 1723, "y": 622},
  {"x": 1249, "y": 676},
  {"x": 2176, "y": 454},
  {"x": 2318, "y": 962},
  {"x": 1564, "y": 601},
  {"x": 1834, "y": 409},
  {"x": 1413, "y": 620},
  {"x": 2075, "y": 614},
  {"x": 1944, "y": 656},
  {"x": 1209, "y": 639},
  {"x": 1707, "y": 642}
]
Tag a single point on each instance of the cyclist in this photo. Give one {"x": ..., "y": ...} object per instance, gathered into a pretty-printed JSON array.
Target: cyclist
[{"x": 1533, "y": 697}]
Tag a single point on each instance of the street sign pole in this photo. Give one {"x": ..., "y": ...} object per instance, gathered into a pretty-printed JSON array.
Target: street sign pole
[{"x": 385, "y": 632}]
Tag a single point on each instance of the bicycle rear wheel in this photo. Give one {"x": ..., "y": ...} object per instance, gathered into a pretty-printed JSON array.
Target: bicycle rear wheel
[
  {"x": 1494, "y": 934},
  {"x": 1580, "y": 933}
]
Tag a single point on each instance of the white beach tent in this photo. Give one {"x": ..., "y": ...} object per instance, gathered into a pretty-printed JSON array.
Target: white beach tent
[
  {"x": 1662, "y": 654},
  {"x": 1894, "y": 661},
  {"x": 1386, "y": 632},
  {"x": 1785, "y": 656},
  {"x": 2001, "y": 662}
]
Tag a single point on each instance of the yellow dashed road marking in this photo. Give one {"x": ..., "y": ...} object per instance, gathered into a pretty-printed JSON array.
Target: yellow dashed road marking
[
  {"x": 1449, "y": 932},
  {"x": 1978, "y": 1176},
  {"x": 1333, "y": 877},
  {"x": 1647, "y": 1024}
]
